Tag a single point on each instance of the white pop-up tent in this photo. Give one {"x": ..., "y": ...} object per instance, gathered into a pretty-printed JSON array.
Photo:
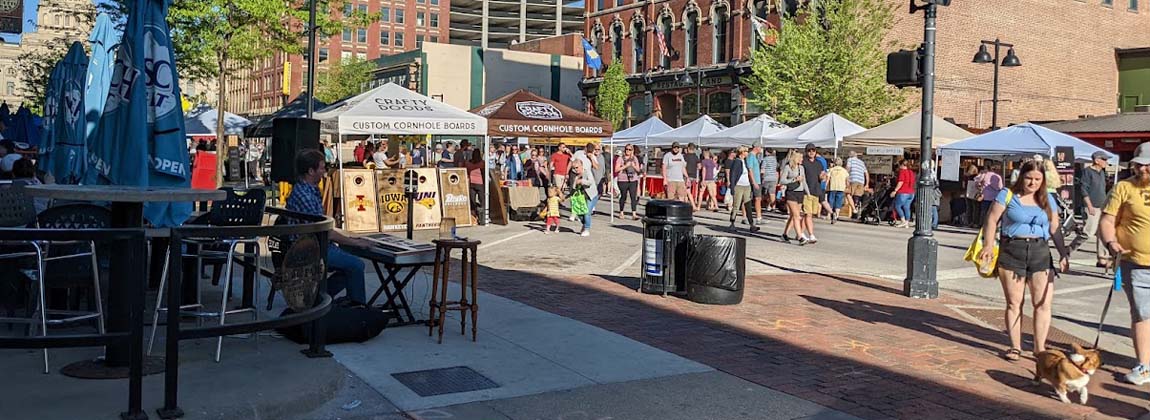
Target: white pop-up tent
[
  {"x": 750, "y": 133},
  {"x": 905, "y": 132},
  {"x": 824, "y": 132},
  {"x": 690, "y": 133},
  {"x": 640, "y": 132},
  {"x": 394, "y": 110}
]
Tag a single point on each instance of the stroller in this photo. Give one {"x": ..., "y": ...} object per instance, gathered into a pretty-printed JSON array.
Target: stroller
[{"x": 876, "y": 205}]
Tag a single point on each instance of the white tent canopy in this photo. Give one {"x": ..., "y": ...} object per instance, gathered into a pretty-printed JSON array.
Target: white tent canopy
[
  {"x": 905, "y": 132},
  {"x": 393, "y": 109},
  {"x": 640, "y": 132},
  {"x": 750, "y": 133},
  {"x": 1024, "y": 140},
  {"x": 825, "y": 132},
  {"x": 690, "y": 133},
  {"x": 202, "y": 121}
]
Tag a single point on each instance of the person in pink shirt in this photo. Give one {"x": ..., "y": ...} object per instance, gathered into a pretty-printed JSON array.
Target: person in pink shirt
[{"x": 990, "y": 183}]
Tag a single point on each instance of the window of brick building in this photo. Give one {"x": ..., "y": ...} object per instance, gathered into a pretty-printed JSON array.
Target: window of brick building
[
  {"x": 363, "y": 9},
  {"x": 434, "y": 2},
  {"x": 1133, "y": 5},
  {"x": 399, "y": 39},
  {"x": 434, "y": 20},
  {"x": 617, "y": 42},
  {"x": 322, "y": 54},
  {"x": 420, "y": 19},
  {"x": 720, "y": 28},
  {"x": 638, "y": 47},
  {"x": 665, "y": 29},
  {"x": 760, "y": 11},
  {"x": 597, "y": 45},
  {"x": 434, "y": 39},
  {"x": 347, "y": 34},
  {"x": 384, "y": 38},
  {"x": 418, "y": 41},
  {"x": 347, "y": 8},
  {"x": 10, "y": 88},
  {"x": 385, "y": 14},
  {"x": 602, "y": 4},
  {"x": 361, "y": 35},
  {"x": 692, "y": 41},
  {"x": 398, "y": 15}
]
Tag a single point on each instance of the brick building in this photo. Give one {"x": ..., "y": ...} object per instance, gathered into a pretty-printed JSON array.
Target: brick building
[
  {"x": 402, "y": 25},
  {"x": 1080, "y": 57}
]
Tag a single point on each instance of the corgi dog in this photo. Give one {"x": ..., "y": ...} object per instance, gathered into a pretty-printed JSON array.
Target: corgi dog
[{"x": 1067, "y": 373}]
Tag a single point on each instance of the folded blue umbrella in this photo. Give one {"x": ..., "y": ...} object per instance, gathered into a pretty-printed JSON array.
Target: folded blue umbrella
[
  {"x": 67, "y": 163},
  {"x": 140, "y": 137}
]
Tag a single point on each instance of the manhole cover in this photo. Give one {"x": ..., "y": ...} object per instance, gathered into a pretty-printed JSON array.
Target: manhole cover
[{"x": 450, "y": 380}]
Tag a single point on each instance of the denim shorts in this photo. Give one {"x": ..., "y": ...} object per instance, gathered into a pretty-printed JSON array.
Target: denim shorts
[
  {"x": 1136, "y": 283},
  {"x": 1025, "y": 257}
]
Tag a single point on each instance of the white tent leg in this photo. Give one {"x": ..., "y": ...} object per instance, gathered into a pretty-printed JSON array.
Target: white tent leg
[
  {"x": 339, "y": 160},
  {"x": 611, "y": 182},
  {"x": 486, "y": 215}
]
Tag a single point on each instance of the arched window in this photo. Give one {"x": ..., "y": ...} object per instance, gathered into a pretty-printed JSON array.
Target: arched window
[
  {"x": 638, "y": 47},
  {"x": 760, "y": 11},
  {"x": 617, "y": 42},
  {"x": 719, "y": 106},
  {"x": 639, "y": 110},
  {"x": 690, "y": 109},
  {"x": 597, "y": 43},
  {"x": 665, "y": 50},
  {"x": 692, "y": 41},
  {"x": 719, "y": 44}
]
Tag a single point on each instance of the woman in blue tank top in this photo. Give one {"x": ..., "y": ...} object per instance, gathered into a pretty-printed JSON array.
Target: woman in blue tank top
[{"x": 1025, "y": 217}]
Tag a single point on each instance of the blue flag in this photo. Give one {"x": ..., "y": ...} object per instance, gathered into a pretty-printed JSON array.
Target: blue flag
[
  {"x": 590, "y": 56},
  {"x": 140, "y": 137}
]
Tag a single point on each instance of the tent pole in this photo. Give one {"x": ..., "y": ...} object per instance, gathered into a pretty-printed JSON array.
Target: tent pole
[
  {"x": 486, "y": 181},
  {"x": 339, "y": 160},
  {"x": 244, "y": 162},
  {"x": 611, "y": 174}
]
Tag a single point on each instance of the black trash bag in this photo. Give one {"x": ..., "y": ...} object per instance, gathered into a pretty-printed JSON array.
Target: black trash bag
[
  {"x": 717, "y": 261},
  {"x": 716, "y": 270},
  {"x": 345, "y": 323}
]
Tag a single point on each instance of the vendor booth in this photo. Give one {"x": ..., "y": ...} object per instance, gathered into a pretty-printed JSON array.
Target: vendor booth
[
  {"x": 201, "y": 123},
  {"x": 639, "y": 133},
  {"x": 905, "y": 132},
  {"x": 376, "y": 199},
  {"x": 693, "y": 132},
  {"x": 522, "y": 114}
]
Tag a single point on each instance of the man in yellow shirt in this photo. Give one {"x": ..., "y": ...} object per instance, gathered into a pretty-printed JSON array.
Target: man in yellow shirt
[{"x": 1125, "y": 230}]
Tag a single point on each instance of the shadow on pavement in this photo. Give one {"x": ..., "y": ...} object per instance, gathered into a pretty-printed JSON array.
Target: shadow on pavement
[
  {"x": 843, "y": 279},
  {"x": 806, "y": 361}
]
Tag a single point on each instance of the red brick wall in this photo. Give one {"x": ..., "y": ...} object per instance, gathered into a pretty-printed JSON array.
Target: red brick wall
[
  {"x": 569, "y": 45},
  {"x": 1066, "y": 48}
]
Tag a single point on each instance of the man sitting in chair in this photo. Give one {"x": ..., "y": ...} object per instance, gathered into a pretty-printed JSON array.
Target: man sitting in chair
[{"x": 305, "y": 198}]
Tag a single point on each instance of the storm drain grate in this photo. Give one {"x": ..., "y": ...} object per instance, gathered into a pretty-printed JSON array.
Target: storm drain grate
[{"x": 427, "y": 383}]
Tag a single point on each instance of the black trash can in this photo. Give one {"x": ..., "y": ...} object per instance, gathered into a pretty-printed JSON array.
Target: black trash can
[
  {"x": 667, "y": 232},
  {"x": 716, "y": 269}
]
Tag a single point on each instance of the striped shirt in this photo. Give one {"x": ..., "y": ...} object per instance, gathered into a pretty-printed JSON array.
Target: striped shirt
[
  {"x": 857, "y": 169},
  {"x": 769, "y": 168}
]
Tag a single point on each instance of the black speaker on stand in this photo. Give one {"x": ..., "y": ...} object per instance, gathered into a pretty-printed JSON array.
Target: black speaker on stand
[{"x": 289, "y": 136}]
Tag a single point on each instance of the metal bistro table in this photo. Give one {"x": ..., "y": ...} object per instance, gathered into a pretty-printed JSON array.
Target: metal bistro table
[{"x": 127, "y": 212}]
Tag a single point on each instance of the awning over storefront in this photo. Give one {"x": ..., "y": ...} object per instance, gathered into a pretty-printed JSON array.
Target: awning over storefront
[{"x": 525, "y": 114}]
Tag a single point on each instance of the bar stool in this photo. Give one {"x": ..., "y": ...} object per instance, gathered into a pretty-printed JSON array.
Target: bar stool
[{"x": 469, "y": 269}]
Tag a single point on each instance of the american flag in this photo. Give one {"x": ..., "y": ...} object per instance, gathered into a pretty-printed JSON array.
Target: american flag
[{"x": 662, "y": 42}]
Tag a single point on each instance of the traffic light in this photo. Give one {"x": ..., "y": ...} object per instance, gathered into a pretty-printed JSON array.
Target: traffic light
[{"x": 904, "y": 68}]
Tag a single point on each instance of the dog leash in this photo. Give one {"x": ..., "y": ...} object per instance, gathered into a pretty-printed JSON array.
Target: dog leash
[{"x": 1106, "y": 307}]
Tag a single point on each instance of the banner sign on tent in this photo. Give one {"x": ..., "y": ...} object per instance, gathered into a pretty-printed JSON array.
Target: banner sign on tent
[
  {"x": 360, "y": 208},
  {"x": 1064, "y": 163},
  {"x": 453, "y": 186},
  {"x": 878, "y": 165},
  {"x": 951, "y": 165},
  {"x": 884, "y": 151}
]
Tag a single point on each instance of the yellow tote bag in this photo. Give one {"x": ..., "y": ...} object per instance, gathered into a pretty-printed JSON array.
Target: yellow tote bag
[{"x": 990, "y": 270}]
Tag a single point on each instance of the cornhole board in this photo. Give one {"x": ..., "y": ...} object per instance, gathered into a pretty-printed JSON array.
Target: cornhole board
[
  {"x": 360, "y": 208},
  {"x": 427, "y": 212},
  {"x": 454, "y": 188}
]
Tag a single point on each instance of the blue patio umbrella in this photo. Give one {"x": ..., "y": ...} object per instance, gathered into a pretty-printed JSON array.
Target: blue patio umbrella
[
  {"x": 51, "y": 111},
  {"x": 103, "y": 42},
  {"x": 6, "y": 119},
  {"x": 69, "y": 147},
  {"x": 140, "y": 137}
]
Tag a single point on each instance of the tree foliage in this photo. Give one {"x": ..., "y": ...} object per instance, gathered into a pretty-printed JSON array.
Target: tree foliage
[
  {"x": 347, "y": 77},
  {"x": 35, "y": 65},
  {"x": 829, "y": 59},
  {"x": 611, "y": 101}
]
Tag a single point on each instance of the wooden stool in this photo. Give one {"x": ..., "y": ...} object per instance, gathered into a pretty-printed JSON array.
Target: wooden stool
[{"x": 439, "y": 285}]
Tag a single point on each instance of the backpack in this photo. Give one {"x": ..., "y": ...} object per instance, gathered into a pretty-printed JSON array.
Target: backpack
[{"x": 345, "y": 323}]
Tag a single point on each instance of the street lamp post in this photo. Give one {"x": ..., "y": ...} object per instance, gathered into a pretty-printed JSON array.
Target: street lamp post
[
  {"x": 1011, "y": 60},
  {"x": 698, "y": 89},
  {"x": 922, "y": 248},
  {"x": 311, "y": 57}
]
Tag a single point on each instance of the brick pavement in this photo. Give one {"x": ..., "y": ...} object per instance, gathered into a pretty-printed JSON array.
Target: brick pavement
[{"x": 851, "y": 344}]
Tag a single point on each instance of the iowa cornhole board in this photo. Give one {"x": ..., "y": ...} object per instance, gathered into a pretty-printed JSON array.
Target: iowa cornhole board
[
  {"x": 361, "y": 207},
  {"x": 393, "y": 204},
  {"x": 454, "y": 188}
]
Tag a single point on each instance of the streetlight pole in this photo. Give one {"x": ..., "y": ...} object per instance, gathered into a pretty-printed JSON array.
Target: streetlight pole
[
  {"x": 311, "y": 57},
  {"x": 984, "y": 57},
  {"x": 922, "y": 249}
]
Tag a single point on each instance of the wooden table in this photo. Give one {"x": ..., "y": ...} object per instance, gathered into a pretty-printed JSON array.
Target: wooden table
[{"x": 127, "y": 212}]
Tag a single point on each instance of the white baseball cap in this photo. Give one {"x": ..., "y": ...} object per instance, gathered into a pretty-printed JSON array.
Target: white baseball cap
[{"x": 1142, "y": 154}]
